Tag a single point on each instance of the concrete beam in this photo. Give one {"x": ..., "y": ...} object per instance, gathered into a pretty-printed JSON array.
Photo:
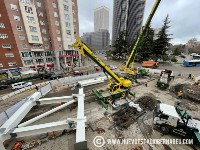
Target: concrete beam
[
  {"x": 51, "y": 100},
  {"x": 46, "y": 114},
  {"x": 17, "y": 117},
  {"x": 41, "y": 128}
]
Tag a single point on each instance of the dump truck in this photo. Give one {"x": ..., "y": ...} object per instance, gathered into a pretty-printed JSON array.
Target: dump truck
[{"x": 174, "y": 119}]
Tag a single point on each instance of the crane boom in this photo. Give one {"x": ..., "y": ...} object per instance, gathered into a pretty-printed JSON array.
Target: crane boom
[
  {"x": 142, "y": 32},
  {"x": 85, "y": 50}
]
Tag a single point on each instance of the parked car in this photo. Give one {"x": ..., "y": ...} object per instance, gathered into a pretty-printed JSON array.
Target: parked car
[
  {"x": 78, "y": 72},
  {"x": 56, "y": 76},
  {"x": 112, "y": 67},
  {"x": 3, "y": 86},
  {"x": 20, "y": 85},
  {"x": 47, "y": 76}
]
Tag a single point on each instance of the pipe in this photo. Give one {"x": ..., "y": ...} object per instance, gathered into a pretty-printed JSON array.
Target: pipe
[{"x": 45, "y": 114}]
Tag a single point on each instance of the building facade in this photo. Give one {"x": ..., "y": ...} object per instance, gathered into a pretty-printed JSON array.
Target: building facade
[
  {"x": 101, "y": 18},
  {"x": 38, "y": 32},
  {"x": 128, "y": 17},
  {"x": 98, "y": 40}
]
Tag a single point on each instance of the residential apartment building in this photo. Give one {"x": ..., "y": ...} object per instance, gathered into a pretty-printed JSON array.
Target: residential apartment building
[
  {"x": 41, "y": 32},
  {"x": 101, "y": 18},
  {"x": 128, "y": 17}
]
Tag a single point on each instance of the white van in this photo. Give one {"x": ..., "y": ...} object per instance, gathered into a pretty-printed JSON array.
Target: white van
[{"x": 20, "y": 85}]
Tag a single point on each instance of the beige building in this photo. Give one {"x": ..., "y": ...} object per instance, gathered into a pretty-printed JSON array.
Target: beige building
[
  {"x": 43, "y": 31},
  {"x": 101, "y": 18}
]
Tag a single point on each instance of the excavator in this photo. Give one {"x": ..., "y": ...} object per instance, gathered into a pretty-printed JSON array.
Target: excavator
[
  {"x": 129, "y": 68},
  {"x": 117, "y": 88}
]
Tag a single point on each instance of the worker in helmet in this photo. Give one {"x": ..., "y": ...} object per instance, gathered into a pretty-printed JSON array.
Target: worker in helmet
[{"x": 180, "y": 94}]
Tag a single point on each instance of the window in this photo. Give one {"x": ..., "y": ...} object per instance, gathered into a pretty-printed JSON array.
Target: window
[
  {"x": 28, "y": 62},
  {"x": 66, "y": 1},
  {"x": 73, "y": 4},
  {"x": 73, "y": 11},
  {"x": 17, "y": 18},
  {"x": 39, "y": 4},
  {"x": 12, "y": 63},
  {"x": 57, "y": 23},
  {"x": 58, "y": 31},
  {"x": 48, "y": 53},
  {"x": 59, "y": 39},
  {"x": 31, "y": 19},
  {"x": 13, "y": 7},
  {"x": 66, "y": 7},
  {"x": 7, "y": 45},
  {"x": 39, "y": 61},
  {"x": 1, "y": 65},
  {"x": 2, "y": 25},
  {"x": 74, "y": 33},
  {"x": 40, "y": 14},
  {"x": 26, "y": 1},
  {"x": 37, "y": 46},
  {"x": 68, "y": 32},
  {"x": 42, "y": 22},
  {"x": 24, "y": 46},
  {"x": 74, "y": 27},
  {"x": 67, "y": 24},
  {"x": 3, "y": 36},
  {"x": 60, "y": 46},
  {"x": 45, "y": 39},
  {"x": 54, "y": 5},
  {"x": 32, "y": 29},
  {"x": 9, "y": 54},
  {"x": 44, "y": 31},
  {"x": 35, "y": 38},
  {"x": 67, "y": 17},
  {"x": 26, "y": 54},
  {"x": 29, "y": 9},
  {"x": 21, "y": 37},
  {"x": 46, "y": 46},
  {"x": 55, "y": 14},
  {"x": 19, "y": 28},
  {"x": 74, "y": 19},
  {"x": 49, "y": 60}
]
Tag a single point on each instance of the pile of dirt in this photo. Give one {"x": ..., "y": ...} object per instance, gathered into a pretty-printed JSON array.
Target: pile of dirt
[
  {"x": 147, "y": 102},
  {"x": 190, "y": 92}
]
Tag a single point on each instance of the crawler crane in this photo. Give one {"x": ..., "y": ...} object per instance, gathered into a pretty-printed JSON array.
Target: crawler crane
[{"x": 117, "y": 88}]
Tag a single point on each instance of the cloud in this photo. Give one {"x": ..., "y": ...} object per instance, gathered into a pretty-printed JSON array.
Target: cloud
[{"x": 183, "y": 14}]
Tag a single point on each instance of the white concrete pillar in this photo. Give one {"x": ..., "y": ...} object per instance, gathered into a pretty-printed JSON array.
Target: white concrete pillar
[
  {"x": 57, "y": 65},
  {"x": 2, "y": 146}
]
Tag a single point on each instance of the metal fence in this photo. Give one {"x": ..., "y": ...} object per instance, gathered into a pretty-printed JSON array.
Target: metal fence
[{"x": 4, "y": 116}]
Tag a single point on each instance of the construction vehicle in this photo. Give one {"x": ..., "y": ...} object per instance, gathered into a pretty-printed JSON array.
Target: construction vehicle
[
  {"x": 117, "y": 88},
  {"x": 129, "y": 65},
  {"x": 150, "y": 64},
  {"x": 174, "y": 119},
  {"x": 165, "y": 77}
]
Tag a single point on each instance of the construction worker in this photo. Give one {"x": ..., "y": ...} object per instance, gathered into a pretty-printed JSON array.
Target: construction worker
[
  {"x": 190, "y": 76},
  {"x": 180, "y": 94},
  {"x": 146, "y": 84},
  {"x": 193, "y": 77}
]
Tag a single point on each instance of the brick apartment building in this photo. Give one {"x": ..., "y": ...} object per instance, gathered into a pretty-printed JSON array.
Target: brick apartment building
[{"x": 38, "y": 32}]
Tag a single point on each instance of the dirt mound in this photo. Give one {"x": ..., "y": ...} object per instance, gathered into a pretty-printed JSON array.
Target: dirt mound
[
  {"x": 190, "y": 92},
  {"x": 147, "y": 102}
]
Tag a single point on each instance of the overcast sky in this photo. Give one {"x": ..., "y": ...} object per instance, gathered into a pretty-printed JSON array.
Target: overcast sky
[{"x": 184, "y": 16}]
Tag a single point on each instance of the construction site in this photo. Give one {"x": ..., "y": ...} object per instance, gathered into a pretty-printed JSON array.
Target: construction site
[{"x": 114, "y": 109}]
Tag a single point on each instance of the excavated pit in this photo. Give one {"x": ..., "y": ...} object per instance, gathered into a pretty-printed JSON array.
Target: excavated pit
[
  {"x": 128, "y": 115},
  {"x": 190, "y": 92}
]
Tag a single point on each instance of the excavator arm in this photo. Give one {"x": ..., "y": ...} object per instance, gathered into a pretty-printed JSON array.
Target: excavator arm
[
  {"x": 85, "y": 51},
  {"x": 142, "y": 32}
]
